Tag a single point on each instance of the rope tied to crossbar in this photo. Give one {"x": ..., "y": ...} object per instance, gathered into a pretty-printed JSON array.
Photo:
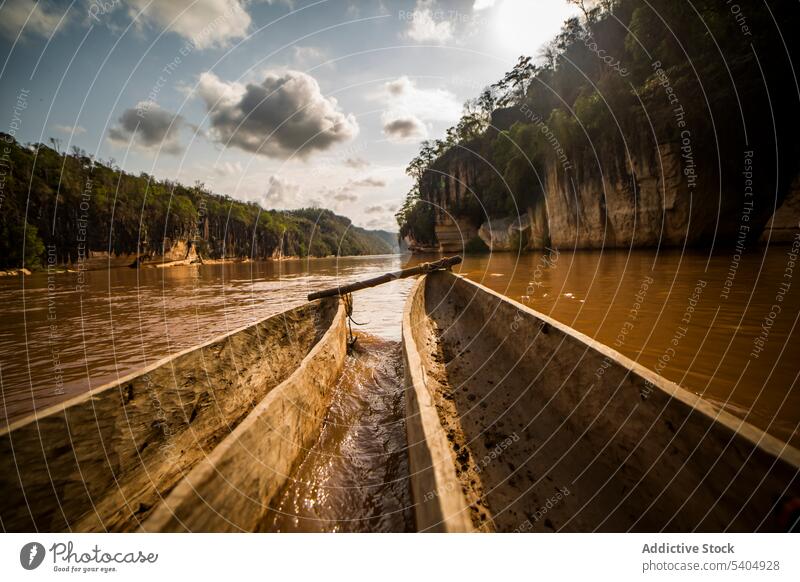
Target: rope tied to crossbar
[
  {"x": 424, "y": 268},
  {"x": 347, "y": 299}
]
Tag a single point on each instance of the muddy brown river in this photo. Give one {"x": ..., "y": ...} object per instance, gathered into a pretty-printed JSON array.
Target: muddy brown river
[{"x": 722, "y": 328}]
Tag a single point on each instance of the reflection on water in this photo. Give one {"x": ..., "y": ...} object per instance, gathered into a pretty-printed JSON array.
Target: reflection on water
[{"x": 128, "y": 318}]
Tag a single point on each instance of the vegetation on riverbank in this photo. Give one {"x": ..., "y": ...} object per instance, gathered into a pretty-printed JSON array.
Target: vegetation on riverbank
[
  {"x": 616, "y": 91},
  {"x": 57, "y": 207}
]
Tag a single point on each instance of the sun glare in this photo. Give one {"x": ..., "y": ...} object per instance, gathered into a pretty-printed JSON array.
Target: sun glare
[{"x": 524, "y": 26}]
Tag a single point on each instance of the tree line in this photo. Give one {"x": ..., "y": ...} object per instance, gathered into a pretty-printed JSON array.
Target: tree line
[{"x": 59, "y": 204}]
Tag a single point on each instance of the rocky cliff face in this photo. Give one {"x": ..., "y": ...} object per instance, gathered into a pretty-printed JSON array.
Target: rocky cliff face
[
  {"x": 689, "y": 140},
  {"x": 645, "y": 204},
  {"x": 647, "y": 201}
]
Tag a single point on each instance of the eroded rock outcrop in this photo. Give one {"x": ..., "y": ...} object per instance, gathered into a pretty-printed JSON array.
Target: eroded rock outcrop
[
  {"x": 507, "y": 234},
  {"x": 647, "y": 200},
  {"x": 643, "y": 205},
  {"x": 454, "y": 234}
]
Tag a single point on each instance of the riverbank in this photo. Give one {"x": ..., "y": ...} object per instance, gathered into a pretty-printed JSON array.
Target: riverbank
[
  {"x": 160, "y": 264},
  {"x": 15, "y": 272}
]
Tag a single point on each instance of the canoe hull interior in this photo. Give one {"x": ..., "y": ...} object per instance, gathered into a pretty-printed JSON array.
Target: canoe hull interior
[
  {"x": 235, "y": 488},
  {"x": 546, "y": 430},
  {"x": 104, "y": 460}
]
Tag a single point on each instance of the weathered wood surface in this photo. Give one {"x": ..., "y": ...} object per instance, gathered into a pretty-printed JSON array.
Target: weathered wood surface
[
  {"x": 445, "y": 263},
  {"x": 439, "y": 503},
  {"x": 563, "y": 433},
  {"x": 232, "y": 488},
  {"x": 103, "y": 460}
]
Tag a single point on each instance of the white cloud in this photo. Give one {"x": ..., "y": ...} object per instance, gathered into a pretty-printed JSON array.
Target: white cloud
[
  {"x": 38, "y": 18},
  {"x": 347, "y": 192},
  {"x": 343, "y": 195},
  {"x": 428, "y": 25},
  {"x": 207, "y": 23},
  {"x": 403, "y": 98},
  {"x": 483, "y": 4},
  {"x": 285, "y": 115},
  {"x": 213, "y": 90},
  {"x": 408, "y": 107},
  {"x": 281, "y": 193},
  {"x": 71, "y": 129}
]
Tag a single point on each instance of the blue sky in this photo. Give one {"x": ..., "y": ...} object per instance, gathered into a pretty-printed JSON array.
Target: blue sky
[{"x": 287, "y": 103}]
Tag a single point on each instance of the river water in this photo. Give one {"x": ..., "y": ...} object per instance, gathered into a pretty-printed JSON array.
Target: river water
[
  {"x": 355, "y": 478},
  {"x": 721, "y": 327}
]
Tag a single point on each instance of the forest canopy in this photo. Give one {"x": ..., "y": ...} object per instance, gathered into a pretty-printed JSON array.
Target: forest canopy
[{"x": 63, "y": 201}]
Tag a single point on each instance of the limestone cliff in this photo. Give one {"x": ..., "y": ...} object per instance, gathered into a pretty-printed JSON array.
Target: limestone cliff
[
  {"x": 646, "y": 204},
  {"x": 690, "y": 140}
]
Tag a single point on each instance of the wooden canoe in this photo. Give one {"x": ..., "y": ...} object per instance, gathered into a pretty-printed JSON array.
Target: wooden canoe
[
  {"x": 517, "y": 422},
  {"x": 121, "y": 457}
]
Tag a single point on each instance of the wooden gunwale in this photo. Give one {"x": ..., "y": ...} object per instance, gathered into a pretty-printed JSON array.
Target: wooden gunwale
[
  {"x": 751, "y": 465},
  {"x": 232, "y": 488},
  {"x": 102, "y": 460}
]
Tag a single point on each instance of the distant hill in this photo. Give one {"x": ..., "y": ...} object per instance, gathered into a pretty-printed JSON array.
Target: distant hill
[
  {"x": 336, "y": 235},
  {"x": 389, "y": 238},
  {"x": 77, "y": 206}
]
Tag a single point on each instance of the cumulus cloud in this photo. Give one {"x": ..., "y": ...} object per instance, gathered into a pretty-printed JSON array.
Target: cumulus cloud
[
  {"x": 383, "y": 215},
  {"x": 71, "y": 129},
  {"x": 403, "y": 129},
  {"x": 281, "y": 193},
  {"x": 403, "y": 95},
  {"x": 398, "y": 86},
  {"x": 39, "y": 18},
  {"x": 285, "y": 115},
  {"x": 428, "y": 25},
  {"x": 206, "y": 23},
  {"x": 149, "y": 126},
  {"x": 409, "y": 106}
]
